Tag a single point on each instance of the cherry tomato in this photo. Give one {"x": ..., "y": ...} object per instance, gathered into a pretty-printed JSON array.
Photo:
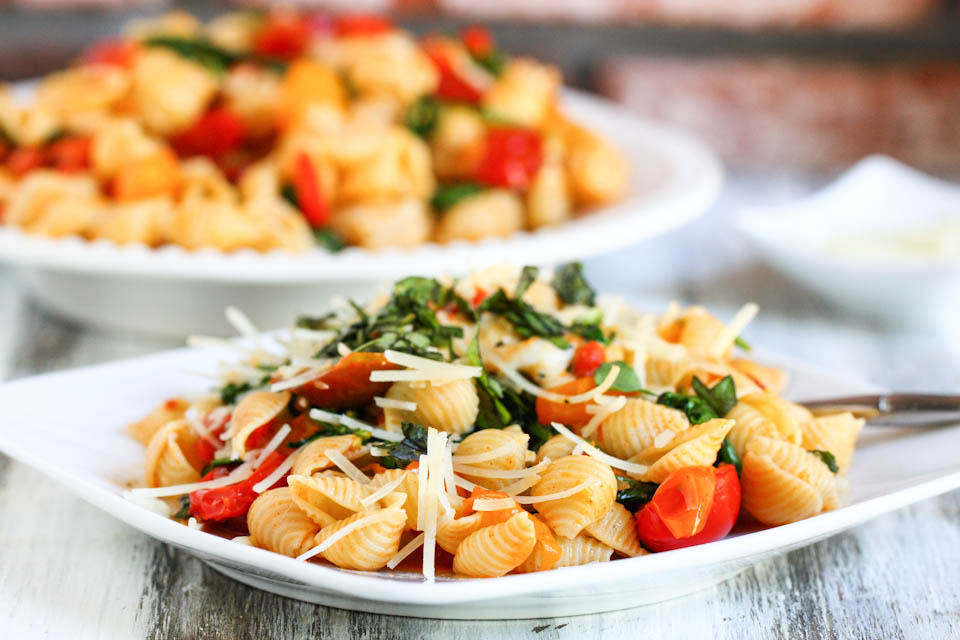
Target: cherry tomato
[
  {"x": 116, "y": 53},
  {"x": 478, "y": 41},
  {"x": 588, "y": 358},
  {"x": 217, "y": 132},
  {"x": 203, "y": 448},
  {"x": 479, "y": 295},
  {"x": 70, "y": 154},
  {"x": 452, "y": 85},
  {"x": 286, "y": 35},
  {"x": 24, "y": 160},
  {"x": 348, "y": 384},
  {"x": 511, "y": 158},
  {"x": 685, "y": 501},
  {"x": 566, "y": 413},
  {"x": 309, "y": 194},
  {"x": 361, "y": 24},
  {"x": 234, "y": 500}
]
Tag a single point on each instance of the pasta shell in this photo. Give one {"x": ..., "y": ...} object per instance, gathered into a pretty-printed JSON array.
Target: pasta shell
[
  {"x": 568, "y": 516},
  {"x": 784, "y": 483},
  {"x": 312, "y": 458},
  {"x": 629, "y": 431},
  {"x": 545, "y": 553},
  {"x": 582, "y": 549},
  {"x": 495, "y": 550},
  {"x": 762, "y": 414},
  {"x": 451, "y": 406},
  {"x": 173, "y": 409},
  {"x": 276, "y": 524},
  {"x": 697, "y": 445},
  {"x": 556, "y": 447},
  {"x": 513, "y": 458},
  {"x": 768, "y": 378},
  {"x": 327, "y": 499},
  {"x": 370, "y": 547},
  {"x": 452, "y": 532},
  {"x": 410, "y": 487},
  {"x": 836, "y": 434},
  {"x": 170, "y": 457},
  {"x": 253, "y": 412},
  {"x": 616, "y": 529}
]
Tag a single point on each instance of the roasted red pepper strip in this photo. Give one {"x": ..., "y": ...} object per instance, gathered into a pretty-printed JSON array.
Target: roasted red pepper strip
[{"x": 348, "y": 385}]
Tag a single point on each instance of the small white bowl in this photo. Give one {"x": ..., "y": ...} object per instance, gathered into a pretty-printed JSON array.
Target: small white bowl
[{"x": 875, "y": 241}]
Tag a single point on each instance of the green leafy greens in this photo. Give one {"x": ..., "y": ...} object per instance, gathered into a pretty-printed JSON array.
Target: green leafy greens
[
  {"x": 219, "y": 462},
  {"x": 422, "y": 116},
  {"x": 828, "y": 459},
  {"x": 636, "y": 493},
  {"x": 571, "y": 285},
  {"x": 232, "y": 390},
  {"x": 215, "y": 58},
  {"x": 184, "y": 511},
  {"x": 526, "y": 320},
  {"x": 722, "y": 397},
  {"x": 400, "y": 454},
  {"x": 627, "y": 379},
  {"x": 728, "y": 455},
  {"x": 448, "y": 195}
]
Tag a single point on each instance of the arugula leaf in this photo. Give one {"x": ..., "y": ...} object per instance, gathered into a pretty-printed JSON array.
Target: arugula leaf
[
  {"x": 448, "y": 195},
  {"x": 743, "y": 344},
  {"x": 528, "y": 275},
  {"x": 400, "y": 454},
  {"x": 721, "y": 398},
  {"x": 526, "y": 320},
  {"x": 729, "y": 455},
  {"x": 230, "y": 391},
  {"x": 184, "y": 511},
  {"x": 636, "y": 494},
  {"x": 422, "y": 116},
  {"x": 627, "y": 380},
  {"x": 572, "y": 286},
  {"x": 215, "y": 58},
  {"x": 828, "y": 459},
  {"x": 696, "y": 409},
  {"x": 328, "y": 239},
  {"x": 219, "y": 462}
]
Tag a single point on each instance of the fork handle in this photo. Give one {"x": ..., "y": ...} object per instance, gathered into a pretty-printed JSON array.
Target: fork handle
[{"x": 895, "y": 409}]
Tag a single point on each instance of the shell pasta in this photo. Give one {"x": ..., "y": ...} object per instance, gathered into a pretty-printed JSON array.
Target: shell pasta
[{"x": 508, "y": 422}]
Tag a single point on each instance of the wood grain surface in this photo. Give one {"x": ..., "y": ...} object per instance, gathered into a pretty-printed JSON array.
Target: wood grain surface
[{"x": 68, "y": 570}]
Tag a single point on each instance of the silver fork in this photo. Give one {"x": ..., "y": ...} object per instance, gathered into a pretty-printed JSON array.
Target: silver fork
[{"x": 894, "y": 409}]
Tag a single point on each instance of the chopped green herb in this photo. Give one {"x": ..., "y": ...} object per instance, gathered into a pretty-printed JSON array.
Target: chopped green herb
[
  {"x": 571, "y": 285},
  {"x": 729, "y": 455},
  {"x": 695, "y": 408},
  {"x": 289, "y": 193},
  {"x": 448, "y": 195},
  {"x": 526, "y": 320},
  {"x": 317, "y": 323},
  {"x": 743, "y": 344},
  {"x": 328, "y": 239},
  {"x": 494, "y": 62},
  {"x": 828, "y": 459},
  {"x": 627, "y": 380},
  {"x": 184, "y": 511},
  {"x": 590, "y": 332},
  {"x": 636, "y": 494},
  {"x": 230, "y": 391},
  {"x": 400, "y": 454},
  {"x": 215, "y": 58},
  {"x": 422, "y": 116},
  {"x": 722, "y": 397},
  {"x": 219, "y": 462}
]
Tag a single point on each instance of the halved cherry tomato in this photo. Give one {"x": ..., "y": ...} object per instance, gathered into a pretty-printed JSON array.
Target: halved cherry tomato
[
  {"x": 70, "y": 154},
  {"x": 566, "y": 413},
  {"x": 361, "y": 24},
  {"x": 588, "y": 358},
  {"x": 116, "y": 53},
  {"x": 234, "y": 500},
  {"x": 479, "y": 295},
  {"x": 24, "y": 160},
  {"x": 217, "y": 132},
  {"x": 511, "y": 158},
  {"x": 681, "y": 517},
  {"x": 309, "y": 194},
  {"x": 203, "y": 448},
  {"x": 478, "y": 41},
  {"x": 452, "y": 86},
  {"x": 348, "y": 384},
  {"x": 286, "y": 35}
]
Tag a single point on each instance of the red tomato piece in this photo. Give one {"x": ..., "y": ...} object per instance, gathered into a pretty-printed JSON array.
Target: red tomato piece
[
  {"x": 361, "y": 24},
  {"x": 348, "y": 384},
  {"x": 722, "y": 515},
  {"x": 24, "y": 160},
  {"x": 70, "y": 154},
  {"x": 203, "y": 448},
  {"x": 309, "y": 194},
  {"x": 478, "y": 41},
  {"x": 511, "y": 158},
  {"x": 217, "y": 132},
  {"x": 452, "y": 86},
  {"x": 234, "y": 500},
  {"x": 285, "y": 36},
  {"x": 116, "y": 53},
  {"x": 588, "y": 358},
  {"x": 479, "y": 295},
  {"x": 566, "y": 413}
]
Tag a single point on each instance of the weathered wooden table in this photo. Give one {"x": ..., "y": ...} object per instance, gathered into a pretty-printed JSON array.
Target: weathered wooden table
[{"x": 69, "y": 571}]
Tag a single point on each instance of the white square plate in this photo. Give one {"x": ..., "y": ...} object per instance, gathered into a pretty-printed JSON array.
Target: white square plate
[{"x": 70, "y": 425}]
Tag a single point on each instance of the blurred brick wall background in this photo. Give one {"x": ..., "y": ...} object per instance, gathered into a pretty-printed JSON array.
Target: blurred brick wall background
[{"x": 801, "y": 83}]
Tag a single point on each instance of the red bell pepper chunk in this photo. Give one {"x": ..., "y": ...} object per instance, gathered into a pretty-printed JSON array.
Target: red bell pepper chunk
[
  {"x": 452, "y": 86},
  {"x": 285, "y": 36},
  {"x": 217, "y": 132},
  {"x": 309, "y": 194},
  {"x": 234, "y": 500},
  {"x": 511, "y": 158}
]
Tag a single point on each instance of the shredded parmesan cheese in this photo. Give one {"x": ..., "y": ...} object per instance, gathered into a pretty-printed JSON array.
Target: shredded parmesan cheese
[
  {"x": 616, "y": 463},
  {"x": 408, "y": 548},
  {"x": 425, "y": 364},
  {"x": 604, "y": 412},
  {"x": 275, "y": 442},
  {"x": 480, "y": 472},
  {"x": 390, "y": 403},
  {"x": 382, "y": 491},
  {"x": 414, "y": 375},
  {"x": 566, "y": 493},
  {"x": 663, "y": 438},
  {"x": 502, "y": 450},
  {"x": 552, "y": 396},
  {"x": 242, "y": 540},
  {"x": 243, "y": 325},
  {"x": 343, "y": 349},
  {"x": 346, "y": 466},
  {"x": 493, "y": 504},
  {"x": 275, "y": 475},
  {"x": 339, "y": 535},
  {"x": 156, "y": 505},
  {"x": 299, "y": 380},
  {"x": 521, "y": 485},
  {"x": 193, "y": 524},
  {"x": 347, "y": 421},
  {"x": 239, "y": 474},
  {"x": 422, "y": 493},
  {"x": 725, "y": 338}
]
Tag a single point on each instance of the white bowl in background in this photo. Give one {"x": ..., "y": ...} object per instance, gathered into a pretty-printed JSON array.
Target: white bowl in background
[
  {"x": 674, "y": 179},
  {"x": 874, "y": 240}
]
